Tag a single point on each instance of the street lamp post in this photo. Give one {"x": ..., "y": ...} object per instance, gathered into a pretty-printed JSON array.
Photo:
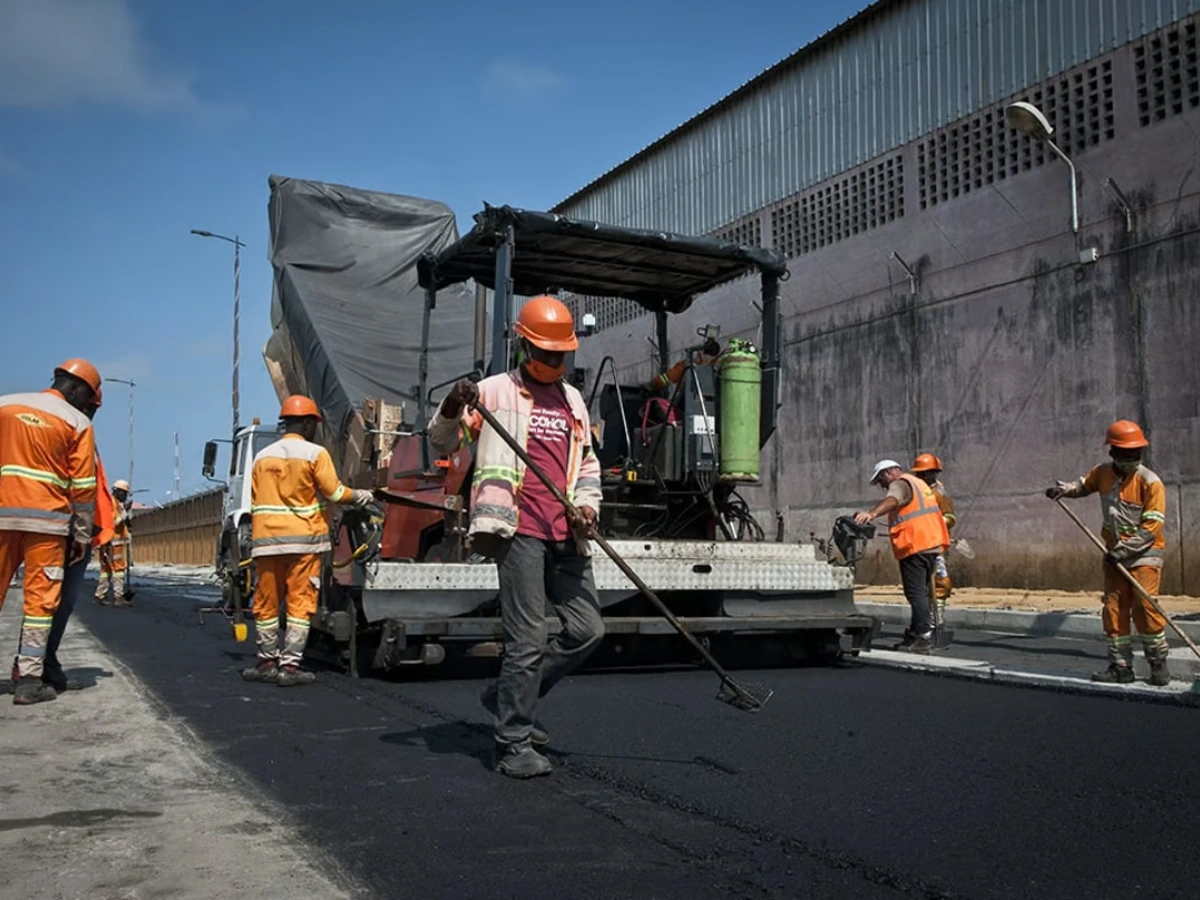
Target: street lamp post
[
  {"x": 237, "y": 306},
  {"x": 1028, "y": 119}
]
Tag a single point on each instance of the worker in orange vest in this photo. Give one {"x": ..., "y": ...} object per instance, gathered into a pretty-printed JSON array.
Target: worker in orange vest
[
  {"x": 114, "y": 554},
  {"x": 918, "y": 534},
  {"x": 927, "y": 467},
  {"x": 73, "y": 582},
  {"x": 47, "y": 504},
  {"x": 1134, "y": 502},
  {"x": 290, "y": 482}
]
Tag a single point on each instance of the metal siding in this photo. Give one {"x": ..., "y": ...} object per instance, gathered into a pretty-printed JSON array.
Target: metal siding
[{"x": 913, "y": 69}]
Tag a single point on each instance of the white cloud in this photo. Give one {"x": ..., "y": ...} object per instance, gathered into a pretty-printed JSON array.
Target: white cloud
[
  {"x": 522, "y": 79},
  {"x": 59, "y": 53}
]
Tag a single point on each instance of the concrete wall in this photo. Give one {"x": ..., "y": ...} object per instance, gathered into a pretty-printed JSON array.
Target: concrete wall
[
  {"x": 182, "y": 533},
  {"x": 1009, "y": 360}
]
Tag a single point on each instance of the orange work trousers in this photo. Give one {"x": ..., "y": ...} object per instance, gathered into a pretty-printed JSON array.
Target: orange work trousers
[
  {"x": 1123, "y": 605},
  {"x": 296, "y": 580},
  {"x": 45, "y": 557}
]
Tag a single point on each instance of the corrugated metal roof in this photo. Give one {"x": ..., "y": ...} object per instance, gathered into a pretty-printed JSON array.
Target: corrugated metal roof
[{"x": 732, "y": 97}]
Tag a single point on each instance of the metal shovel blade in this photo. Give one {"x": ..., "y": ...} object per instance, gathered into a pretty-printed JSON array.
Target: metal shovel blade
[{"x": 748, "y": 696}]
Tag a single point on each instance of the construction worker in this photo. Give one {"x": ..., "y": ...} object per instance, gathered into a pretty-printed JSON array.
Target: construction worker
[
  {"x": 73, "y": 580},
  {"x": 114, "y": 555},
  {"x": 928, "y": 467},
  {"x": 541, "y": 555},
  {"x": 290, "y": 481},
  {"x": 47, "y": 504},
  {"x": 918, "y": 534},
  {"x": 1134, "y": 503}
]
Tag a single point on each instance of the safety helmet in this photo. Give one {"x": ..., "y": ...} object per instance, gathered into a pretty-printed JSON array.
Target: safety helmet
[
  {"x": 81, "y": 369},
  {"x": 927, "y": 462},
  {"x": 882, "y": 466},
  {"x": 121, "y": 485},
  {"x": 298, "y": 406},
  {"x": 1125, "y": 435},
  {"x": 547, "y": 324}
]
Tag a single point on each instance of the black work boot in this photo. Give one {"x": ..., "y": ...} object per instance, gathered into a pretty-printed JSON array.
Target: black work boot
[
  {"x": 291, "y": 676},
  {"x": 32, "y": 690},
  {"x": 521, "y": 761},
  {"x": 922, "y": 643},
  {"x": 537, "y": 736},
  {"x": 266, "y": 671},
  {"x": 1114, "y": 674},
  {"x": 907, "y": 640},
  {"x": 1160, "y": 676}
]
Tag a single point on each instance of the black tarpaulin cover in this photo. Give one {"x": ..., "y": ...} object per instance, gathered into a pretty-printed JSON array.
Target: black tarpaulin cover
[
  {"x": 346, "y": 307},
  {"x": 660, "y": 271}
]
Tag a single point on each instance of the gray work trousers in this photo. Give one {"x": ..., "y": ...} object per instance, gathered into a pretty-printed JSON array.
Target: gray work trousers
[
  {"x": 532, "y": 572},
  {"x": 916, "y": 571}
]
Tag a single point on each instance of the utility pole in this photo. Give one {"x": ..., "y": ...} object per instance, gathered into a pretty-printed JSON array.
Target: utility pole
[
  {"x": 177, "y": 465},
  {"x": 237, "y": 311}
]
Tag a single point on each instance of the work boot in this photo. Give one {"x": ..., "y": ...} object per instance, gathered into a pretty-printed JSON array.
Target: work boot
[
  {"x": 1114, "y": 674},
  {"x": 537, "y": 736},
  {"x": 907, "y": 640},
  {"x": 266, "y": 671},
  {"x": 1160, "y": 676},
  {"x": 30, "y": 691},
  {"x": 54, "y": 676},
  {"x": 521, "y": 762},
  {"x": 291, "y": 676},
  {"x": 922, "y": 643}
]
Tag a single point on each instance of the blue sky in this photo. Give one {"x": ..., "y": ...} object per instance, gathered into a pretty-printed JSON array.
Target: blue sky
[{"x": 126, "y": 123}]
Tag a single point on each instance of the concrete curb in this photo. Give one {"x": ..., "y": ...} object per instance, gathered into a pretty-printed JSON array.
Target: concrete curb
[
  {"x": 1075, "y": 625},
  {"x": 1177, "y": 693}
]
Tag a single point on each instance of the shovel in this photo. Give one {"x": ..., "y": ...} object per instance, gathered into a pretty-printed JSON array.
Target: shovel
[
  {"x": 1129, "y": 577},
  {"x": 749, "y": 697}
]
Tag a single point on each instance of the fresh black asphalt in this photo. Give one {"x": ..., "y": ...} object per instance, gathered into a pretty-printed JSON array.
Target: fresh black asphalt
[{"x": 854, "y": 782}]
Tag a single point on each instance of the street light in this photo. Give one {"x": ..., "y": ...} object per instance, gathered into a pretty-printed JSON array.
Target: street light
[
  {"x": 1029, "y": 120},
  {"x": 237, "y": 305},
  {"x": 131, "y": 385}
]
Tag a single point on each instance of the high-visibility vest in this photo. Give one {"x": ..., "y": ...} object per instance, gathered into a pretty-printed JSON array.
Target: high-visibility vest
[
  {"x": 918, "y": 527},
  {"x": 104, "y": 508},
  {"x": 289, "y": 485}
]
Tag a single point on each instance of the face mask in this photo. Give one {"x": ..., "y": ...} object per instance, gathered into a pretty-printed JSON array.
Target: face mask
[
  {"x": 1126, "y": 466},
  {"x": 539, "y": 371}
]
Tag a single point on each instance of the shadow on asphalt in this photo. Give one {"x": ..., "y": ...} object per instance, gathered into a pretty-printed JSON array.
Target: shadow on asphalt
[{"x": 463, "y": 738}]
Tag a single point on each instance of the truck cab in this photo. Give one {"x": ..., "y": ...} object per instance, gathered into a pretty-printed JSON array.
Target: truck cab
[{"x": 233, "y": 544}]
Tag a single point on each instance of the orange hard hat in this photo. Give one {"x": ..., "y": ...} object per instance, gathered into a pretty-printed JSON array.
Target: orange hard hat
[
  {"x": 298, "y": 406},
  {"x": 927, "y": 462},
  {"x": 1125, "y": 435},
  {"x": 83, "y": 370},
  {"x": 547, "y": 324}
]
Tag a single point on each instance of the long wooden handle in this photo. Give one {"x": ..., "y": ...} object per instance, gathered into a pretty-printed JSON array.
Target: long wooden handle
[{"x": 1129, "y": 577}]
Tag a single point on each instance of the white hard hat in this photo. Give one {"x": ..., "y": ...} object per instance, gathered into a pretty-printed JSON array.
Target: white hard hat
[
  {"x": 882, "y": 466},
  {"x": 120, "y": 485}
]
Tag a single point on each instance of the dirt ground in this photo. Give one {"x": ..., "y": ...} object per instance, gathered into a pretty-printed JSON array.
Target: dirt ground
[{"x": 1034, "y": 601}]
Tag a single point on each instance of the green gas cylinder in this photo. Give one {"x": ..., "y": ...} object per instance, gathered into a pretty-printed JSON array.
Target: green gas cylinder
[{"x": 740, "y": 407}]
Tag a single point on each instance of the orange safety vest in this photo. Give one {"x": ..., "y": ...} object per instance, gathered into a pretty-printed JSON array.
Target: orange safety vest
[
  {"x": 289, "y": 484},
  {"x": 918, "y": 527}
]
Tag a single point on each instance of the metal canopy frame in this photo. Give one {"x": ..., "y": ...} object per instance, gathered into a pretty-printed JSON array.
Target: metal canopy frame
[{"x": 521, "y": 252}]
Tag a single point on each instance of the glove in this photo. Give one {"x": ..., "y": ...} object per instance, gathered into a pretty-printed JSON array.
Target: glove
[
  {"x": 363, "y": 498},
  {"x": 1117, "y": 554},
  {"x": 465, "y": 393},
  {"x": 1058, "y": 491}
]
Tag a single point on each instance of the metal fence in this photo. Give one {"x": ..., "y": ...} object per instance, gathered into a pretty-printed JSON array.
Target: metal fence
[{"x": 182, "y": 533}]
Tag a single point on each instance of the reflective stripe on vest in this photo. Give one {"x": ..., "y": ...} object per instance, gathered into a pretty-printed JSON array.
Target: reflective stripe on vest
[{"x": 918, "y": 527}]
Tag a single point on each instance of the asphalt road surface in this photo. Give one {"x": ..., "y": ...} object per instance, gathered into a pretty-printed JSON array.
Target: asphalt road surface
[{"x": 854, "y": 782}]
